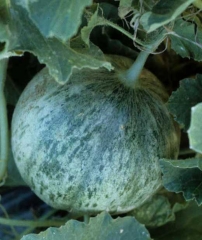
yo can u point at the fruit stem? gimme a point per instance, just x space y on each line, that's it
4 142
131 76
86 218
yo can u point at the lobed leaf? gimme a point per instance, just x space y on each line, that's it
102 227
185 41
195 130
60 19
183 176
149 42
182 100
59 57
162 13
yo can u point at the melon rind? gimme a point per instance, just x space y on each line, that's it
92 144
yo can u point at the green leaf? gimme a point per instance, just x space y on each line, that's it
185 41
97 16
125 6
133 7
56 18
187 226
102 227
93 20
156 211
195 130
162 13
182 100
59 57
148 41
183 176
125 3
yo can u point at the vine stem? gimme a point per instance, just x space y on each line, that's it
131 76
31 223
44 217
117 27
7 216
4 139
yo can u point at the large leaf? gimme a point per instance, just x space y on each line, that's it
56 18
102 227
163 12
185 41
59 57
156 211
195 130
181 101
187 226
183 176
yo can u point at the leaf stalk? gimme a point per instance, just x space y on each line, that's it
4 138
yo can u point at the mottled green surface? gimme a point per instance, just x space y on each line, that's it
92 144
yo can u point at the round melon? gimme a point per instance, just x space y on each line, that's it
93 144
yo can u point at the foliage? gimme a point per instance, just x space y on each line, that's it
66 35
100 227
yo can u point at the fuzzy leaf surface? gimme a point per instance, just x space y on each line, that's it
162 13
56 18
182 100
102 227
60 58
185 41
195 130
183 176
